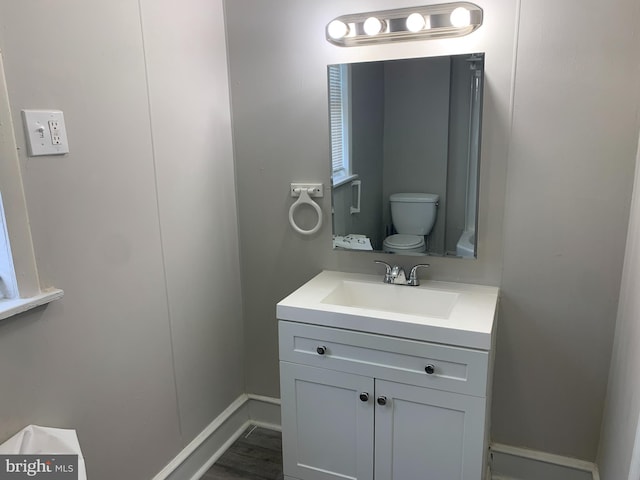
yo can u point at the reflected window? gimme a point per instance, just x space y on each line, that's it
339 122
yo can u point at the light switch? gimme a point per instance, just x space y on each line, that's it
45 132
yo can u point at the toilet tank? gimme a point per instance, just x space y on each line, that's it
413 213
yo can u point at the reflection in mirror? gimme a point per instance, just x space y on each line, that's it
405 146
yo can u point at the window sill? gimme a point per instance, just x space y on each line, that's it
10 307
345 180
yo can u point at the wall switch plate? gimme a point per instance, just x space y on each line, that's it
45 132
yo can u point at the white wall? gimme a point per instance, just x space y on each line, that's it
571 160
622 408
137 224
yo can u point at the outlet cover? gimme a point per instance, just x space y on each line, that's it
45 132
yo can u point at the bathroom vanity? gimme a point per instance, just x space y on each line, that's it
385 381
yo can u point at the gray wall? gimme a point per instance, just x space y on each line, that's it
140 231
569 181
367 124
573 145
622 410
416 134
137 224
281 136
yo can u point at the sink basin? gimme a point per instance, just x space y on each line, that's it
393 298
441 312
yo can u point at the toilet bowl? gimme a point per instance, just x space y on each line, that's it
402 243
413 216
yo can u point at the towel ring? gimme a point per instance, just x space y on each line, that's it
305 199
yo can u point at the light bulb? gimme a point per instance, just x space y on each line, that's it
461 17
372 26
337 29
415 22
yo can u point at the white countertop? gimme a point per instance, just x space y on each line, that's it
469 323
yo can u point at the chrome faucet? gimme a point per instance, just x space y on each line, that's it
395 275
398 276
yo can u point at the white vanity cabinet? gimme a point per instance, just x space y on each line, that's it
366 406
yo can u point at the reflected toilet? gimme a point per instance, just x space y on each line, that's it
413 216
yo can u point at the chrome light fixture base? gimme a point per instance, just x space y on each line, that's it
416 23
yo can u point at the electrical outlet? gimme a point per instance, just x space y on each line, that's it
45 132
54 129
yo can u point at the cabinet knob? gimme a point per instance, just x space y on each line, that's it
430 369
382 400
321 350
364 396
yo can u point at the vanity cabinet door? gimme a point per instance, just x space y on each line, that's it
327 423
426 434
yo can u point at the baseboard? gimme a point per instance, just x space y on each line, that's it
204 450
211 442
514 463
265 412
507 462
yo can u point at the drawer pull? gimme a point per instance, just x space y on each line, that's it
382 401
364 396
430 369
321 350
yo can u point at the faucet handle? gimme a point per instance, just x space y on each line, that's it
387 275
414 281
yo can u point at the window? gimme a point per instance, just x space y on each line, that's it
7 275
339 123
20 288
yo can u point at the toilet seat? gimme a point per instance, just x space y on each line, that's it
404 243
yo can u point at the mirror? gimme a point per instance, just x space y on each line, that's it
405 143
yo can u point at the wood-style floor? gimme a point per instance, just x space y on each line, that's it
256 455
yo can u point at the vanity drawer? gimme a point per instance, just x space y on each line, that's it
442 367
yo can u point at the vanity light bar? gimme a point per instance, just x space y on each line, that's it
416 23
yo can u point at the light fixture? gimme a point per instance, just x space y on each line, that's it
372 26
460 17
416 23
337 29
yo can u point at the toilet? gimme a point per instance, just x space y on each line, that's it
413 216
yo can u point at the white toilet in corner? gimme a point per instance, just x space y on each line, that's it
413 216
